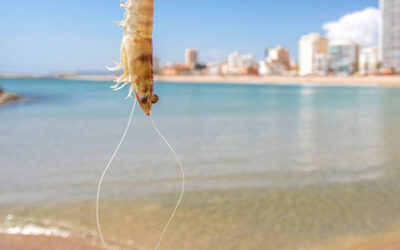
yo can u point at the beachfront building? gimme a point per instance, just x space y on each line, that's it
191 58
343 57
369 61
277 62
262 68
267 69
390 34
215 68
313 54
224 68
278 55
241 64
156 65
175 69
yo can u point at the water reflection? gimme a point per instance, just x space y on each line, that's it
306 144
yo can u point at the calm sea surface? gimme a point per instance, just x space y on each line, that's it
267 167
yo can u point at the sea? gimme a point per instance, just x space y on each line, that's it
267 166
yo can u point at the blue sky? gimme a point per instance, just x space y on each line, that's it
43 36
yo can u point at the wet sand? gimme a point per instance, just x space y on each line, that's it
28 242
395 246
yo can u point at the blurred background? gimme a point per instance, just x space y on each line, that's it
285 116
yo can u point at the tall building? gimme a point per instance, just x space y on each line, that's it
369 60
343 57
191 57
313 54
390 34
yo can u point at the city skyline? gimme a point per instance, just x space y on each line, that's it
79 37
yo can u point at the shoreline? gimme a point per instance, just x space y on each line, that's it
378 81
387 81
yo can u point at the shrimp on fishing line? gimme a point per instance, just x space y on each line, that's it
137 64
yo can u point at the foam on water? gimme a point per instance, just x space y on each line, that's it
28 226
32 229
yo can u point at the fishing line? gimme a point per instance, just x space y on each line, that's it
183 183
105 171
109 164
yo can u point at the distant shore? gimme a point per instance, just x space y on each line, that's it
326 80
390 81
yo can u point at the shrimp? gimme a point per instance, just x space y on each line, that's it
137 52
137 63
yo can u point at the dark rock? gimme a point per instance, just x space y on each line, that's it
6 97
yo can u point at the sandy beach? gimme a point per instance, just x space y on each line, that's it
28 242
328 80
389 81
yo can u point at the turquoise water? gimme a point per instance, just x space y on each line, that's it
273 141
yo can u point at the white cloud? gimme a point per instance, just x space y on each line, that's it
361 27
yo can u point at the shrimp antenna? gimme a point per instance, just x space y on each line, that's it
105 171
183 183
